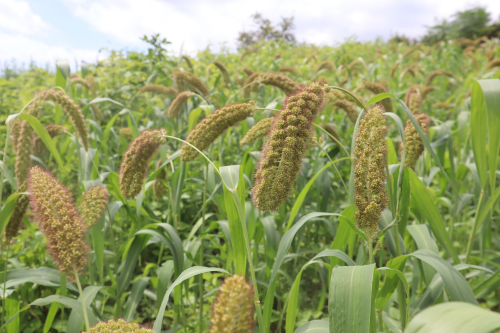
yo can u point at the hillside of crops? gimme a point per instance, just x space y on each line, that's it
281 188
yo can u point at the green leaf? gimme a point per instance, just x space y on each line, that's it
98 244
431 213
193 118
74 321
44 135
485 123
187 274
7 211
351 305
135 297
69 302
11 308
232 182
300 199
285 243
127 269
315 326
454 317
293 300
455 283
391 281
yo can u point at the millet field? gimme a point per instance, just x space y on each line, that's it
280 188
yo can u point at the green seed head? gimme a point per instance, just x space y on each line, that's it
414 144
258 131
377 88
23 158
283 82
159 89
192 80
80 81
213 126
95 200
348 108
177 104
223 70
16 218
127 132
289 69
73 111
37 145
282 156
118 326
370 153
413 99
59 220
159 188
136 160
233 310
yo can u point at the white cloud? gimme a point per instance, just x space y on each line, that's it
195 23
17 17
25 49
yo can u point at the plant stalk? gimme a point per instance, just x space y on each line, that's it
474 228
82 299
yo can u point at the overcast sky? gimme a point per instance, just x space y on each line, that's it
46 30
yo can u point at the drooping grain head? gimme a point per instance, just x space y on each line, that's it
177 104
188 61
326 64
136 160
23 157
159 89
348 108
233 312
192 80
258 131
15 133
283 82
331 130
426 91
80 81
248 71
281 158
37 145
223 70
59 221
73 111
159 188
377 88
127 132
413 99
250 84
414 144
16 218
493 63
95 200
92 84
210 128
370 176
436 73
118 326
289 69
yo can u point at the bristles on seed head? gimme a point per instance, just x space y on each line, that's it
370 153
210 128
136 160
95 200
59 221
233 312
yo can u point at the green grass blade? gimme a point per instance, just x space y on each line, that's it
454 317
187 274
350 302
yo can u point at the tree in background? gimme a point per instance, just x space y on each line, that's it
267 32
472 23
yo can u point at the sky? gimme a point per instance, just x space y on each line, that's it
81 30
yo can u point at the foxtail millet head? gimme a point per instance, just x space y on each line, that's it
58 220
95 200
281 158
233 311
136 160
370 176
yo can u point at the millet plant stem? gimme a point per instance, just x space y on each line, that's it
250 262
82 299
474 228
4 296
337 141
200 277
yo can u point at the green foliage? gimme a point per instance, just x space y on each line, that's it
158 258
